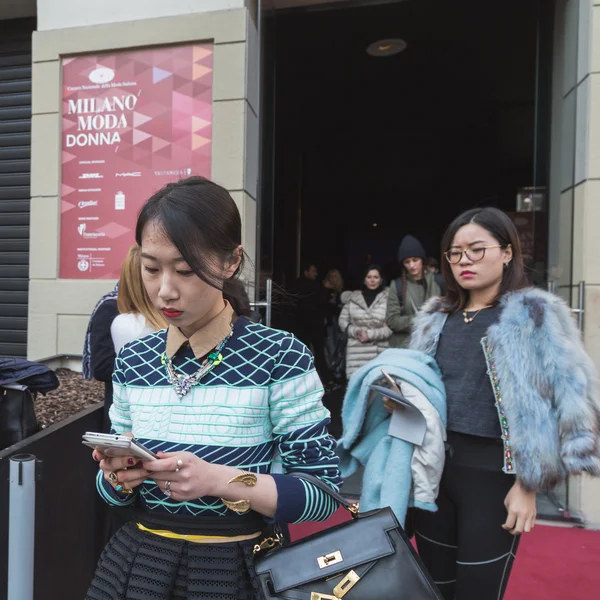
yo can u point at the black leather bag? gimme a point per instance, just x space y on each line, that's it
367 558
17 416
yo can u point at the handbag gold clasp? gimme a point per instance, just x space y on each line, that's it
268 543
330 559
340 590
354 508
346 584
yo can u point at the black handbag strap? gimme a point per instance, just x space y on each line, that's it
351 506
277 538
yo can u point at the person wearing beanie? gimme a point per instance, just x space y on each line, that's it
411 247
410 291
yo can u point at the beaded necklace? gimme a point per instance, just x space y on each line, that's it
182 384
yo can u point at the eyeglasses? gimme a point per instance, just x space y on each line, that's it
473 254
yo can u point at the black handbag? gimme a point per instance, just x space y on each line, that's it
367 558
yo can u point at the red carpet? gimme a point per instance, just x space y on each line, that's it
553 563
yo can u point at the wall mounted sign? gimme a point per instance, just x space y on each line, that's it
131 122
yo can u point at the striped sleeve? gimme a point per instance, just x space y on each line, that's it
119 414
120 423
303 442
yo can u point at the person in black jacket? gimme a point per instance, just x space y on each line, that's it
99 351
311 307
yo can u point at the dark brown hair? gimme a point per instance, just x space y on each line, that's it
372 267
503 230
203 222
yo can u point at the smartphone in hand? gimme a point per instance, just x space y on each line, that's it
393 383
112 444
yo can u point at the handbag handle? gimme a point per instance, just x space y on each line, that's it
350 506
277 539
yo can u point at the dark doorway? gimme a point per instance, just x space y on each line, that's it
361 150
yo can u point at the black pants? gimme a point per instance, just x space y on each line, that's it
463 545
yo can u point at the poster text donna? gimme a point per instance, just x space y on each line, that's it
99 120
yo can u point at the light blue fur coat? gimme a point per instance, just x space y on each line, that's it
547 381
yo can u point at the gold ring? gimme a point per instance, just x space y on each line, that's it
168 489
113 477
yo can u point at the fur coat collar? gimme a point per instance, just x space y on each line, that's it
546 385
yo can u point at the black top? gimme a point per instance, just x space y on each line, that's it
469 394
370 295
102 351
311 306
334 306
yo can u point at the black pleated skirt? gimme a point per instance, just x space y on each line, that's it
138 565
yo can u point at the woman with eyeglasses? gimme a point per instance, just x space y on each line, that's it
523 413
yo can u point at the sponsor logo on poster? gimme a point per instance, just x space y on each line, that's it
91 176
119 201
81 228
86 203
101 75
187 171
130 174
83 265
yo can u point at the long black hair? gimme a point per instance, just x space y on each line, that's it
503 230
203 223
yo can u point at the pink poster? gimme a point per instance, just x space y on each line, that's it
132 122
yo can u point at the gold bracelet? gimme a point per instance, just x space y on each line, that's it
240 506
248 479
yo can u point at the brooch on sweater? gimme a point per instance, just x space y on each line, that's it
182 384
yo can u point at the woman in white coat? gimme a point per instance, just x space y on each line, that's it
363 318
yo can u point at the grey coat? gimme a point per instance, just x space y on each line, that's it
545 385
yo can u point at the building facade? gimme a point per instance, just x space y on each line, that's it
58 307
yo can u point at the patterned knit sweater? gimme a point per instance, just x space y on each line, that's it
259 410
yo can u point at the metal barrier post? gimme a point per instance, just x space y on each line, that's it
581 310
21 528
267 303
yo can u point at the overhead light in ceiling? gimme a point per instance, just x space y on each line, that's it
387 47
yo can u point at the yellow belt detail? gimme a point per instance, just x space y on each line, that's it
200 539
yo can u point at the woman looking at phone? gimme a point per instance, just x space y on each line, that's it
217 397
522 407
